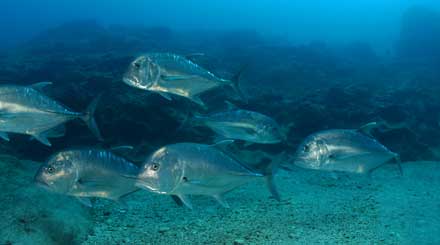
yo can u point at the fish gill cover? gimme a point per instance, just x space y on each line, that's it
306 87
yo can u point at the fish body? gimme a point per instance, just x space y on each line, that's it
167 73
244 125
85 173
25 110
343 150
193 169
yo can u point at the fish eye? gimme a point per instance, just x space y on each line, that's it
50 169
155 166
137 65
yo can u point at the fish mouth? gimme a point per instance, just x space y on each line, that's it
300 163
133 82
143 185
42 184
128 81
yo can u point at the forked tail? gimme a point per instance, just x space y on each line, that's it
89 119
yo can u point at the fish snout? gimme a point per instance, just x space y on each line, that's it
128 79
149 186
40 181
301 161
141 184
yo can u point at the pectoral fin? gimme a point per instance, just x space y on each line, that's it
221 200
85 201
42 139
165 95
91 183
346 155
4 136
176 78
222 143
185 199
177 200
197 100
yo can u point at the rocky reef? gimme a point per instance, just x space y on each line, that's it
305 88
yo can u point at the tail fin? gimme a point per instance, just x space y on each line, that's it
284 161
399 164
89 119
268 168
272 187
236 83
190 120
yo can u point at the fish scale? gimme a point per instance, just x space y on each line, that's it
87 173
244 125
344 150
24 110
196 169
170 74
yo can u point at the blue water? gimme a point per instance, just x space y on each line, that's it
310 66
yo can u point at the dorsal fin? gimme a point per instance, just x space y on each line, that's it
222 143
122 147
39 86
194 55
85 201
368 128
230 105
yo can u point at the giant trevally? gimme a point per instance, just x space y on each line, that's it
239 124
344 150
167 73
85 173
184 169
25 110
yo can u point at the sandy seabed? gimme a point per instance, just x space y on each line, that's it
315 209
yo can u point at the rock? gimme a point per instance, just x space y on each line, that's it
238 241
164 229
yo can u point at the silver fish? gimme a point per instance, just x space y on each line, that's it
196 169
85 173
344 150
167 73
238 124
24 110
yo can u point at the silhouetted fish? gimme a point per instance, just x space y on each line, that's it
87 173
167 73
240 124
24 110
196 169
345 150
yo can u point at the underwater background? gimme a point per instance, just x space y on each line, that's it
309 65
